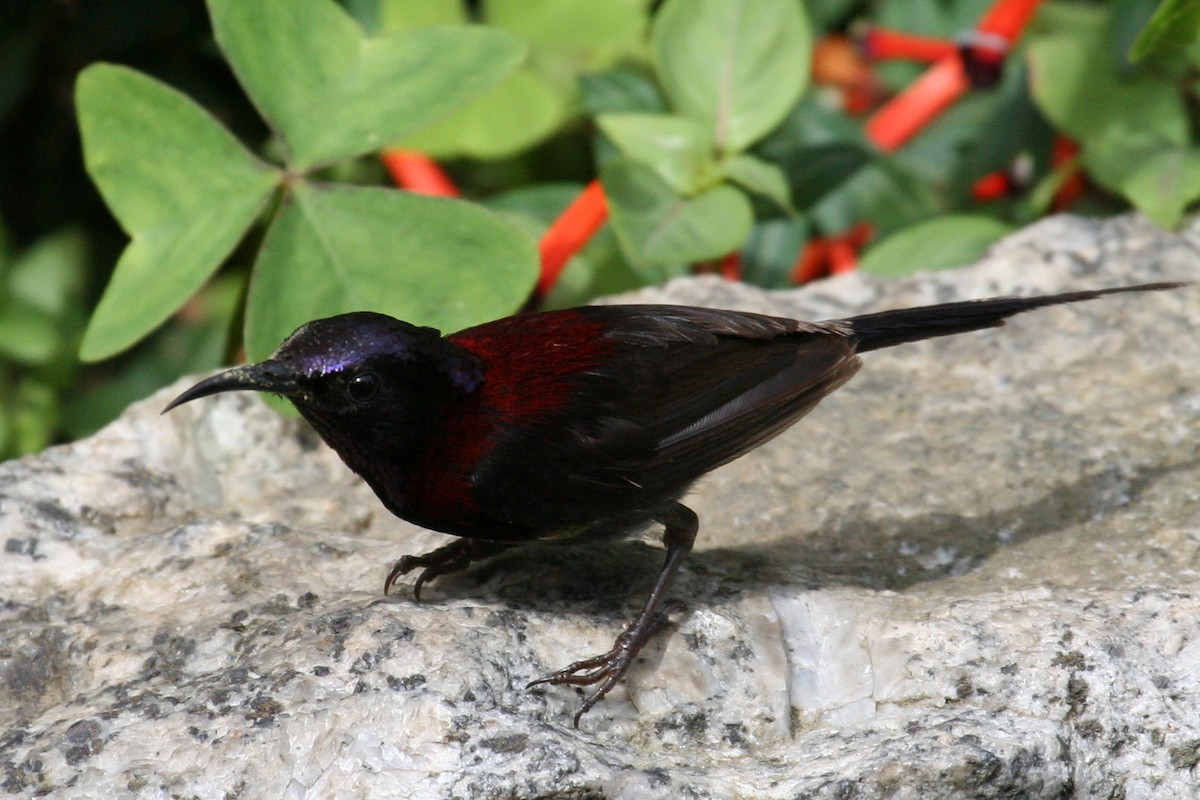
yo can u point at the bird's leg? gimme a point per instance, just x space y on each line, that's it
453 557
606 669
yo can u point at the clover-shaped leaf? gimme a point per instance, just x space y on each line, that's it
182 187
330 93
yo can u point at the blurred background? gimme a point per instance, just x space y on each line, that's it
867 183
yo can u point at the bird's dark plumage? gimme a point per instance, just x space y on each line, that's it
579 423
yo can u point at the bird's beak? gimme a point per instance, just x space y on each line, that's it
268 376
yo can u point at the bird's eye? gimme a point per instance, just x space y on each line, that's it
363 387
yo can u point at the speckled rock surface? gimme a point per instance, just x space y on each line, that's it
972 572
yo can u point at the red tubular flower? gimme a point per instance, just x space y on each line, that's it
1066 155
1007 18
418 173
983 51
811 263
992 186
883 44
731 266
844 250
825 255
843 257
911 110
567 235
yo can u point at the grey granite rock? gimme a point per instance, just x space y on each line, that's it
972 572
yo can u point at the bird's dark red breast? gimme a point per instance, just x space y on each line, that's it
531 368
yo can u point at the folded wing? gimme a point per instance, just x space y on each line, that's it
677 392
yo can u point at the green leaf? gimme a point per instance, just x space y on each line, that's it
760 177
1040 198
42 308
656 226
1054 18
677 148
504 120
890 197
735 66
819 169
49 276
593 31
395 16
1077 85
538 204
35 411
826 14
6 448
1175 24
426 260
932 17
181 186
620 91
26 334
329 93
1134 130
565 38
818 148
941 243
772 249
1159 177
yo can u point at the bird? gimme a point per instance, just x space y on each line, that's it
574 425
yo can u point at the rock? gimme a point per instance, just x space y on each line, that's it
973 571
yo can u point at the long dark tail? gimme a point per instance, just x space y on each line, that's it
886 328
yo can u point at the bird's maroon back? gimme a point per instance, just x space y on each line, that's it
605 413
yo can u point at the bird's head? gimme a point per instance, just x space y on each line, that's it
362 374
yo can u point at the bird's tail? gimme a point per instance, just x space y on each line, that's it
887 328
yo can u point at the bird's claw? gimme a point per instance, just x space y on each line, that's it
450 558
405 565
453 557
605 669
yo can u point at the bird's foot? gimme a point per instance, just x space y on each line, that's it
453 557
608 668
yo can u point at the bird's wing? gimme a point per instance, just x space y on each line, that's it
659 395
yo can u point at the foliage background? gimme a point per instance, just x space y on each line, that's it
566 122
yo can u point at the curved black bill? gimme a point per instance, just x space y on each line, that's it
269 376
